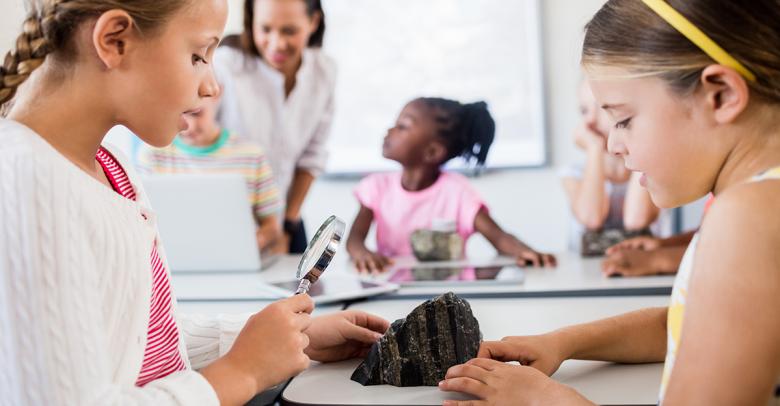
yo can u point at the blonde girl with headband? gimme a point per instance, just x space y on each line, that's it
86 310
693 90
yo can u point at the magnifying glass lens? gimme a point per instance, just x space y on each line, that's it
321 250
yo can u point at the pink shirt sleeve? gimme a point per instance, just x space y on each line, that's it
470 205
367 192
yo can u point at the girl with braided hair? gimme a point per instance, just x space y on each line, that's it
428 133
86 309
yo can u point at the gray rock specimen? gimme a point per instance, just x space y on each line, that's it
429 245
596 242
418 350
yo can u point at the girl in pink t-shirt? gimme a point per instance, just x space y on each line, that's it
428 133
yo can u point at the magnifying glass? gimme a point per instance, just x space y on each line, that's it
320 251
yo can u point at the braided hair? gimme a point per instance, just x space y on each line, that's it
466 129
31 49
49 28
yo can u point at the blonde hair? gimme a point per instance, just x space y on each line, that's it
49 27
627 34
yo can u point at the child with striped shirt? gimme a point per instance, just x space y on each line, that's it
205 147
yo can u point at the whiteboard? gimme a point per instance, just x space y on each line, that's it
390 52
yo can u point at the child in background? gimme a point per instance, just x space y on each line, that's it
607 203
205 147
428 133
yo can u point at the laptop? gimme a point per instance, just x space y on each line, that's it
205 222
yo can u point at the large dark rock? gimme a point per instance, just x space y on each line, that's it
418 350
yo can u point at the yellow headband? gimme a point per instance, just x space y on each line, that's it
695 35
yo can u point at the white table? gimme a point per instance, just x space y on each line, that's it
574 276
233 286
213 293
603 383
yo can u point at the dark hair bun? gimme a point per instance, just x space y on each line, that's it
480 128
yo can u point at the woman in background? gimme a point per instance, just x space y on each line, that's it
278 92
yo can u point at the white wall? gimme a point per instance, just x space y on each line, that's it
527 202
562 25
11 17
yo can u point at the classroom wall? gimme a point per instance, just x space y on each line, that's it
11 16
528 202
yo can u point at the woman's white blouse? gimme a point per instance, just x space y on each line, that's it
293 130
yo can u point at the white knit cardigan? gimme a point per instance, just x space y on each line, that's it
75 288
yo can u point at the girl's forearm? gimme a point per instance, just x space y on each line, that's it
356 241
638 209
355 245
678 240
591 198
508 244
268 232
299 188
635 337
232 386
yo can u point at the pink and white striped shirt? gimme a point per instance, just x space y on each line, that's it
161 356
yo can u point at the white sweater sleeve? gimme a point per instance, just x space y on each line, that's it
209 338
54 337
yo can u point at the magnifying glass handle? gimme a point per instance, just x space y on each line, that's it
303 287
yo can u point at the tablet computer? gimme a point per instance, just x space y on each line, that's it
335 288
457 275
